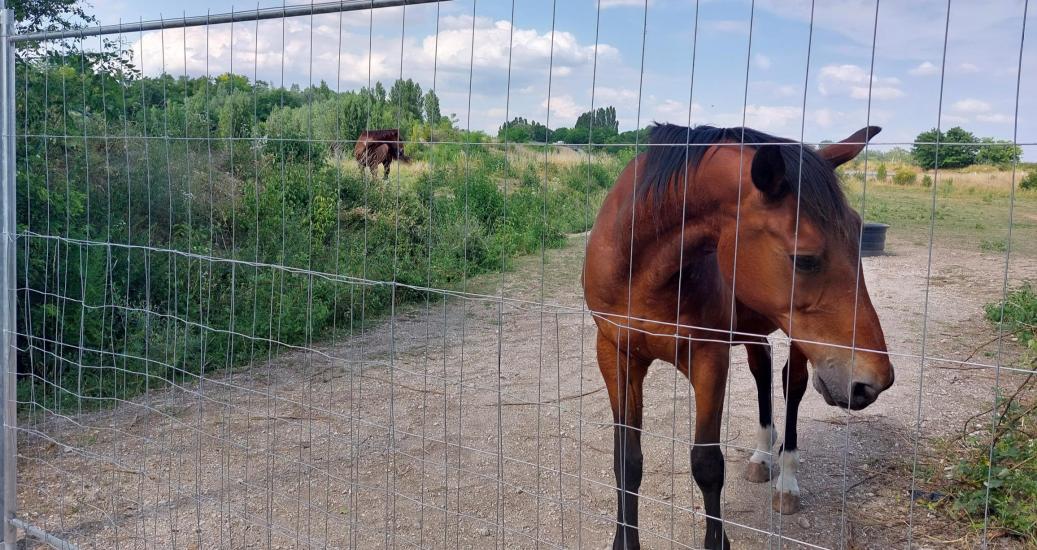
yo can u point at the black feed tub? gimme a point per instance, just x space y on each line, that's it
873 240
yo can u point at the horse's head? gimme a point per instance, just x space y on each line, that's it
798 264
401 155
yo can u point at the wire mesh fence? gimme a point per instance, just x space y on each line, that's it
231 328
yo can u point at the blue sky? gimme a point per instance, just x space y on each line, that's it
979 75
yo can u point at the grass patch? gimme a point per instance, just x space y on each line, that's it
994 479
967 217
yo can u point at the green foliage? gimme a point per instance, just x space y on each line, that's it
927 181
1020 313
592 127
997 474
1004 488
880 173
998 153
1030 181
430 105
993 245
896 155
520 130
954 148
904 176
155 260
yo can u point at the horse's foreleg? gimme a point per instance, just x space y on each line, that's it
761 463
709 378
624 376
386 174
794 381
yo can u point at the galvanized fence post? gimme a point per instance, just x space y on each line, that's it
8 298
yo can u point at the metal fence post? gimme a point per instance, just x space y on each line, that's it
8 298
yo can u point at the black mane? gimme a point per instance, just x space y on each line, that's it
821 197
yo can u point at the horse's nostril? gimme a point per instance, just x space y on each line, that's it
862 395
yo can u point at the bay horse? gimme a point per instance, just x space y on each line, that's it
374 147
700 206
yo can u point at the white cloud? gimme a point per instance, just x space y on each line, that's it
853 81
970 105
564 107
964 110
771 118
530 49
761 61
823 117
925 68
496 112
671 110
605 94
968 68
997 118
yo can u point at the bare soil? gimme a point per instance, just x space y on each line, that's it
468 424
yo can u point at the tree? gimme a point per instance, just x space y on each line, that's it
954 149
431 108
405 100
520 130
49 15
998 152
599 124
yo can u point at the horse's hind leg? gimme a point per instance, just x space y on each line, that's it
761 464
624 376
794 381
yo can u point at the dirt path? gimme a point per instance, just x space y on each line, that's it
413 433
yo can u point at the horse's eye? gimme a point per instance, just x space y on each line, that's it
806 264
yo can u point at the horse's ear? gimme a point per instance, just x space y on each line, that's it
844 151
768 171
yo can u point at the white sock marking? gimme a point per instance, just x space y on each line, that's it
765 438
786 482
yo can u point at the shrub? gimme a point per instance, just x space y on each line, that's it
927 181
996 476
880 173
904 176
1020 313
1030 181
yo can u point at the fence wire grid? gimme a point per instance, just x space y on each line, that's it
222 333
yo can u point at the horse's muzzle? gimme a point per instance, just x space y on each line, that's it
832 385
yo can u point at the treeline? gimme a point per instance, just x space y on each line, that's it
173 226
598 126
960 148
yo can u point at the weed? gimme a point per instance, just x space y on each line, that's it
995 479
993 245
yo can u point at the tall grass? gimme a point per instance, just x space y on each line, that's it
182 227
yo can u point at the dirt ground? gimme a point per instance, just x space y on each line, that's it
470 425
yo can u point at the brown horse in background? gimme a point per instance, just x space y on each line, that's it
710 219
374 147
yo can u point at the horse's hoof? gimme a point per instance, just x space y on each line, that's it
785 503
758 472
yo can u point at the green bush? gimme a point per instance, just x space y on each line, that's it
880 173
904 176
1029 182
996 475
1020 313
927 181
160 260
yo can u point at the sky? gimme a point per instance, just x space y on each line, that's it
772 64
